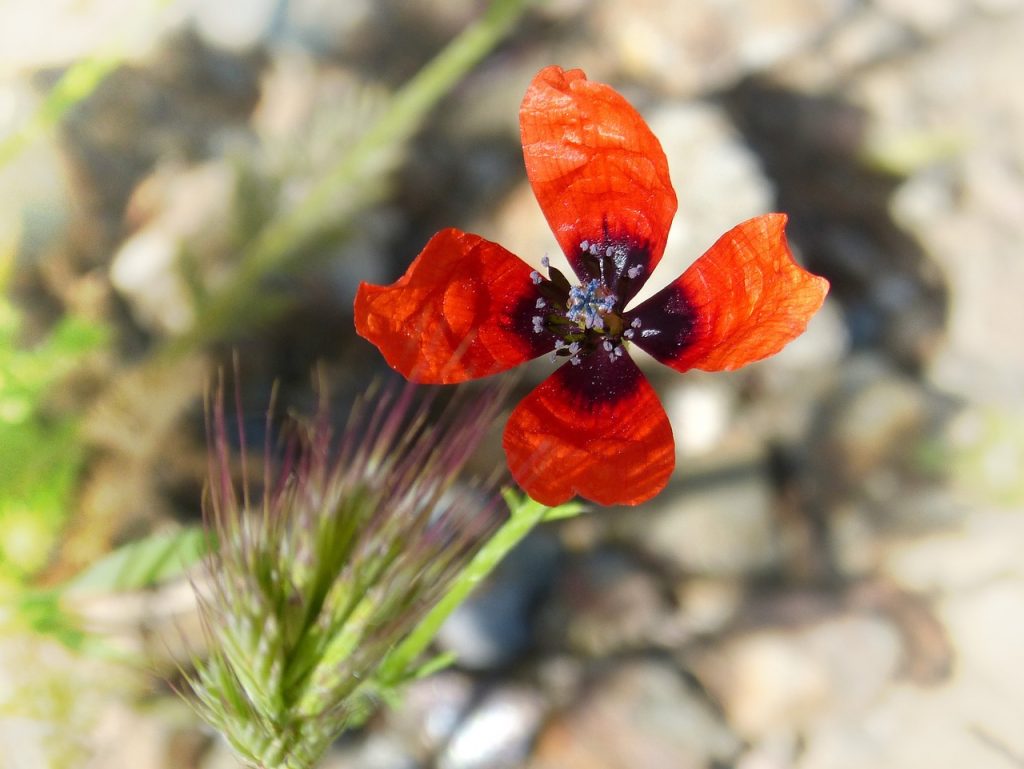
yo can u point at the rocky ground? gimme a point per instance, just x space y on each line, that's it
832 580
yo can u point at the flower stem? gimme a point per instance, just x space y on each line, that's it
524 514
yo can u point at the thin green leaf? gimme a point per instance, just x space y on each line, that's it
144 563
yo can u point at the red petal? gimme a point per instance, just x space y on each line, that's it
598 172
597 430
462 310
744 300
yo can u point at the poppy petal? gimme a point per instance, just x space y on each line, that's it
744 300
462 310
598 172
595 429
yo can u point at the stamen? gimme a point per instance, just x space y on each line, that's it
628 333
538 324
590 302
607 345
635 323
585 245
541 304
535 277
545 262
649 332
634 271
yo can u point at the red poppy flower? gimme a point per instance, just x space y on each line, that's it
467 308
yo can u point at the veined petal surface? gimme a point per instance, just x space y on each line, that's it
597 171
462 310
743 300
597 430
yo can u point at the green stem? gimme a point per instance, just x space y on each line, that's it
524 516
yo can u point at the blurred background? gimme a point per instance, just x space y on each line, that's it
833 579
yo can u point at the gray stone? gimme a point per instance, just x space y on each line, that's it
772 679
929 17
723 530
983 547
498 733
175 207
641 714
431 710
236 25
698 47
606 602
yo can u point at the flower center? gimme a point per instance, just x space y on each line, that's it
583 318
587 305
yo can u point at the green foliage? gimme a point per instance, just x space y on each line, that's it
145 563
326 570
40 455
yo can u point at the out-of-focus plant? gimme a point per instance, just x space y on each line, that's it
329 582
274 230
356 177
75 84
40 454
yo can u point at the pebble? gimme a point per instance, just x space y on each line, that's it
322 25
637 714
772 680
432 709
375 751
725 529
605 602
874 421
927 17
235 25
498 733
74 31
700 47
703 407
176 207
982 548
